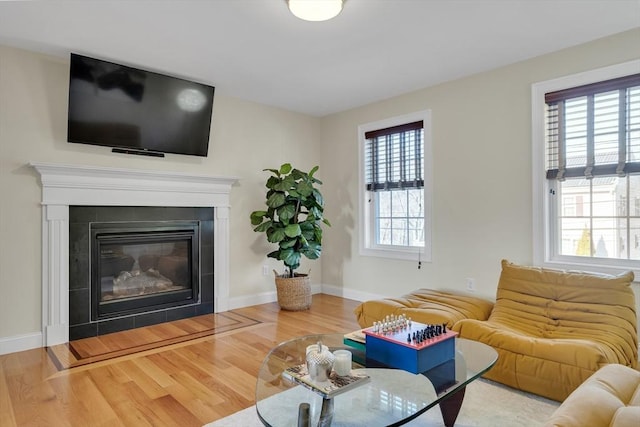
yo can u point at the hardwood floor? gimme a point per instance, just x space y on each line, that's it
186 384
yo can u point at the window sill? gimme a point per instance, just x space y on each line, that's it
408 254
570 263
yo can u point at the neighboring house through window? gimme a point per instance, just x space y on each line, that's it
396 187
586 142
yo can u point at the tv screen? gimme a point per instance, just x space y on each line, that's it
137 111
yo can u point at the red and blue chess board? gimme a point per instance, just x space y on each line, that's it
411 346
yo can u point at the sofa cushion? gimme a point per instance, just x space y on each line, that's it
553 329
568 305
626 417
425 306
603 399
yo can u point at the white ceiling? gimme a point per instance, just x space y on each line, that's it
256 50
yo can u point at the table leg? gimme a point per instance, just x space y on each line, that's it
450 407
326 413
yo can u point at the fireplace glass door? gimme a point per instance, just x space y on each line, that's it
138 267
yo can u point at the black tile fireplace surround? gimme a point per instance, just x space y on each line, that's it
81 324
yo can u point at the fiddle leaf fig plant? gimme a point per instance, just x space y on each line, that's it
295 210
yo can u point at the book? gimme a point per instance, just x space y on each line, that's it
334 386
357 336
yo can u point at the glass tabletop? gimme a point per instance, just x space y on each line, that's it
389 397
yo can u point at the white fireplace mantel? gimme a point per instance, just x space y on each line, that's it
69 185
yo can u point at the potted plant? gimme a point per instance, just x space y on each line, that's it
295 211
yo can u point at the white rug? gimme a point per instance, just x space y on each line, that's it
486 404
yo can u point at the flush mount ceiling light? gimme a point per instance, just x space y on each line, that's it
315 10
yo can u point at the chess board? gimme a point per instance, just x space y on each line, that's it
409 347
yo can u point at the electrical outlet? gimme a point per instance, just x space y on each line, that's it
471 284
265 270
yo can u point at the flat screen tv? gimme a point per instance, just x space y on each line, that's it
137 111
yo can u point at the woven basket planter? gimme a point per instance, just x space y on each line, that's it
294 293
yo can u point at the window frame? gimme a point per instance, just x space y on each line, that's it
544 217
367 228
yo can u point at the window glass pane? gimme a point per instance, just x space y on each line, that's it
575 237
400 217
605 127
633 124
633 150
634 195
384 231
399 232
605 237
576 131
575 197
614 227
384 203
608 196
416 198
416 232
399 203
634 239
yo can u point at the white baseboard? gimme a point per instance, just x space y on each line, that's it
268 297
349 293
20 343
263 298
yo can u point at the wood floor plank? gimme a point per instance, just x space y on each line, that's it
182 384
7 417
103 347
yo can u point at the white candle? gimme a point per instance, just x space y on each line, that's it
342 362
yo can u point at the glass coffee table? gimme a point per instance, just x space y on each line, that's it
390 397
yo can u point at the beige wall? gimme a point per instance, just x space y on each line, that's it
482 175
482 196
246 138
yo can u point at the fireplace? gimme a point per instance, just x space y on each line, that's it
142 267
67 187
133 266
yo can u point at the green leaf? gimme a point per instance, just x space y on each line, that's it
326 221
309 234
285 168
274 254
304 188
272 182
297 174
275 235
285 244
257 216
318 196
285 184
274 171
312 251
290 258
312 171
286 212
292 230
263 227
276 200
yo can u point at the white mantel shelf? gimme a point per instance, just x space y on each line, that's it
70 185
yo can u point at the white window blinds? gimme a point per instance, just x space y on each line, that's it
394 157
594 130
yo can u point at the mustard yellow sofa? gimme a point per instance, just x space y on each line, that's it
553 329
425 306
610 397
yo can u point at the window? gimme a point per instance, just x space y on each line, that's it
395 187
587 169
